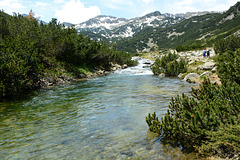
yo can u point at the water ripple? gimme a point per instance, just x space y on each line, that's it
100 118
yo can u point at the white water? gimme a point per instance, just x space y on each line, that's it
143 68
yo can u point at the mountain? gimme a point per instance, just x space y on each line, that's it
112 28
158 31
205 29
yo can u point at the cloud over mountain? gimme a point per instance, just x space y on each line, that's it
74 12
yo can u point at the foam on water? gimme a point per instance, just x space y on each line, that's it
143 67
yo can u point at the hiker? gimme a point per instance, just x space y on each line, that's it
204 52
208 53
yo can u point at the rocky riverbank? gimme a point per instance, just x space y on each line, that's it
47 81
200 67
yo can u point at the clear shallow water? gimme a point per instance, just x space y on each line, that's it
99 118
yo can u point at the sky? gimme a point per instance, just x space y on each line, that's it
77 11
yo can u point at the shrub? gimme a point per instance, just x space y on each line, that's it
231 43
228 65
191 119
223 143
194 46
29 50
170 65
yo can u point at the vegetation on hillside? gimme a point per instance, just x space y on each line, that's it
169 65
231 43
194 46
209 119
201 30
30 51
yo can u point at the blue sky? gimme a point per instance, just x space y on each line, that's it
76 11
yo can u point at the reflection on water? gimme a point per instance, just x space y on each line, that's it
100 118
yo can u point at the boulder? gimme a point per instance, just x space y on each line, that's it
100 72
124 66
214 70
206 74
81 76
180 75
117 66
200 67
191 77
113 68
162 75
192 62
209 65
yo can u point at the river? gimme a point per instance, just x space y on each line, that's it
98 118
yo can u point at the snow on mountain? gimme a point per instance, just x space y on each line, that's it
114 28
107 22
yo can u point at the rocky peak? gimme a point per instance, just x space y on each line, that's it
156 13
116 28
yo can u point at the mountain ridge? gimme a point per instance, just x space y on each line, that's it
114 28
155 30
200 30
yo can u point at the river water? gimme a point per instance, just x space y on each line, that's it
98 118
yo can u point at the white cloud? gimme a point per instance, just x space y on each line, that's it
75 12
10 6
184 6
117 4
58 1
41 4
147 1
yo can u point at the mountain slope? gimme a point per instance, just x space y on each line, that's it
198 29
112 28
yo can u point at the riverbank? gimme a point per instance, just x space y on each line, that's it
208 120
99 118
66 77
199 67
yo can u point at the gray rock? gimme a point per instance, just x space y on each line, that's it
162 75
206 73
113 68
200 67
100 72
124 66
191 62
214 70
81 76
209 65
180 75
191 77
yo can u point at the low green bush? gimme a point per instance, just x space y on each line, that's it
228 66
191 119
29 51
170 65
186 47
224 143
231 43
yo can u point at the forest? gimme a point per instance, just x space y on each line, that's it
31 50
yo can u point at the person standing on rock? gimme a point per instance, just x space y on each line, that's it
208 53
204 52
